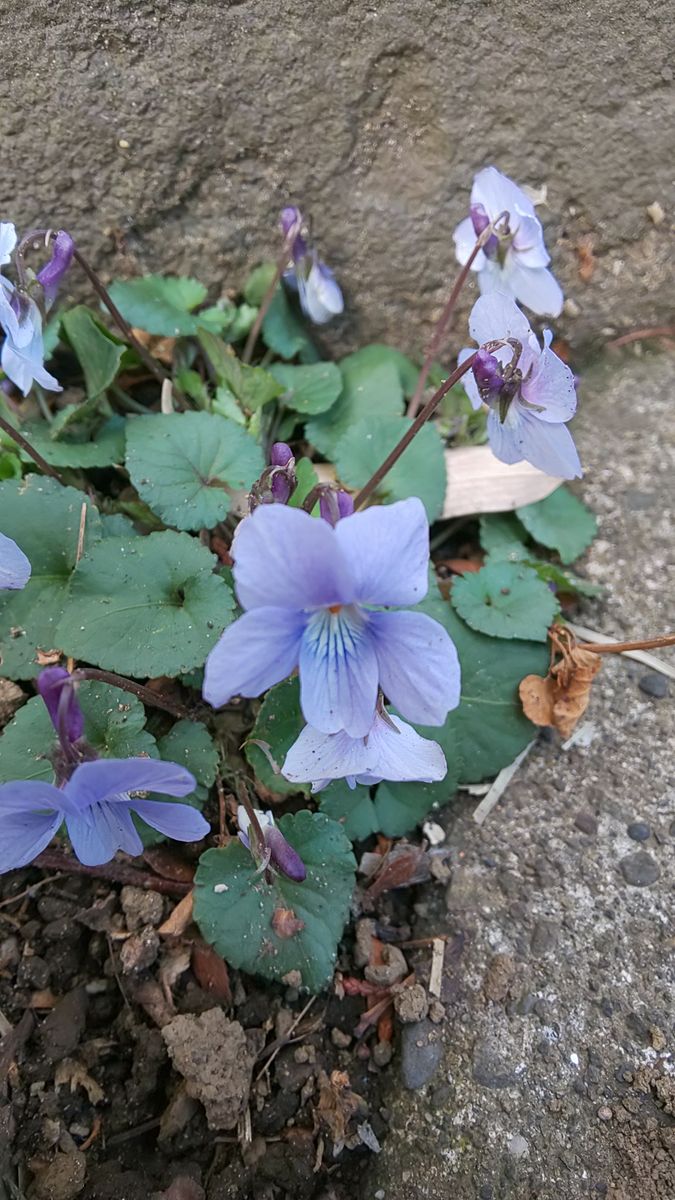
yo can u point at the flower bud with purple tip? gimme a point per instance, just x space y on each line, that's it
57 688
278 481
335 504
52 274
488 375
276 851
480 221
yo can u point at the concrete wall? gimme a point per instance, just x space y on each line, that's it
167 134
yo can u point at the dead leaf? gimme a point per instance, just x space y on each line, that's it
165 862
160 347
336 1106
211 972
175 962
561 698
72 1074
402 866
285 923
587 259
178 919
178 1113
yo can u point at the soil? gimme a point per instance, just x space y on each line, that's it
542 1070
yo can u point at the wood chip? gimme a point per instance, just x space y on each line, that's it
496 791
437 960
179 919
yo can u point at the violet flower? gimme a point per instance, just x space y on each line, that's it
93 797
51 276
314 595
15 568
318 290
529 392
391 750
514 262
22 355
276 851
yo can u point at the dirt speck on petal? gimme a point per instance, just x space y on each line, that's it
213 1056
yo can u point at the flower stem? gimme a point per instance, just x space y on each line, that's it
444 319
101 291
422 417
267 299
666 639
251 813
146 694
26 446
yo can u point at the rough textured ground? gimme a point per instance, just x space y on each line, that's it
167 134
557 1080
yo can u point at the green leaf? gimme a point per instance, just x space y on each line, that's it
307 479
394 810
98 353
190 744
114 724
505 600
145 606
309 390
278 724
372 357
44 519
503 537
258 283
561 522
284 332
160 304
420 471
186 466
10 465
368 390
235 906
78 448
564 579
251 386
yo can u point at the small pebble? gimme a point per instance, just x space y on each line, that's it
392 969
639 831
639 869
586 822
518 1146
605 1113
411 1004
436 1012
382 1053
340 1039
421 1053
654 685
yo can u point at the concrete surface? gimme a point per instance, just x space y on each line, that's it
558 1078
167 134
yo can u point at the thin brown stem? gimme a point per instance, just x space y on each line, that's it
101 291
58 860
251 813
421 419
639 335
28 449
267 299
146 694
666 639
444 319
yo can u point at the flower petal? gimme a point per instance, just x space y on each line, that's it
551 386
110 779
258 650
30 816
418 665
320 294
497 193
468 381
387 548
103 829
528 242
338 672
7 241
14 566
178 821
287 559
404 755
465 240
316 756
536 288
546 446
497 316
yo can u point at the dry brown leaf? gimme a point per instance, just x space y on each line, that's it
561 698
72 1074
337 1105
175 962
211 972
178 919
160 347
402 866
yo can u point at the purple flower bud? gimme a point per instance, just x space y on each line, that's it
281 487
334 504
280 454
52 273
291 222
488 375
480 221
57 689
284 857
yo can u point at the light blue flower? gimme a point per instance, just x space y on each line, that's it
14 566
96 805
315 598
391 750
22 355
529 392
515 262
318 290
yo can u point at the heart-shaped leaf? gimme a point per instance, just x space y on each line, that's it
309 389
80 448
186 466
561 522
160 304
420 471
145 606
368 389
277 927
506 600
